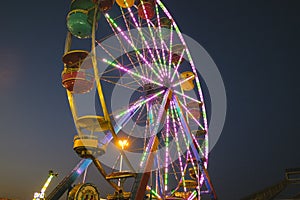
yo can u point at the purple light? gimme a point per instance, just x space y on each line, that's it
177 66
139 104
177 143
190 114
188 97
142 35
132 45
130 72
183 81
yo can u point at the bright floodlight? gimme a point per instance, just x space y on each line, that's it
123 143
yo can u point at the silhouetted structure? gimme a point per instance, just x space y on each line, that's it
287 189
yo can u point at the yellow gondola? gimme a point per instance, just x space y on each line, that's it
188 80
125 3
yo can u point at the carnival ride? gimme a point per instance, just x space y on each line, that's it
41 195
141 52
287 188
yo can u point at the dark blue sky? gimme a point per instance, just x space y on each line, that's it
254 43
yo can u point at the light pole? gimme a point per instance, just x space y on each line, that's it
123 144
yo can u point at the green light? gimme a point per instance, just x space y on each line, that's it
161 38
130 72
177 145
139 104
154 193
133 46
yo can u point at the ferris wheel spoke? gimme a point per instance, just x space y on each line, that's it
130 72
202 148
178 122
188 143
112 70
141 33
140 115
154 125
161 39
181 88
171 133
167 150
138 81
127 86
119 62
137 104
177 65
187 131
170 53
159 174
189 57
178 147
191 115
127 24
183 81
150 26
186 96
133 46
116 162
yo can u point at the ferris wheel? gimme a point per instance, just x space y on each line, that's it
136 99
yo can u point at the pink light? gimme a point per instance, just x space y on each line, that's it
177 142
170 53
140 32
139 104
161 40
181 127
188 97
193 195
132 45
177 66
167 150
194 70
130 72
190 114
118 61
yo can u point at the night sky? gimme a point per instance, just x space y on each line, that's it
255 45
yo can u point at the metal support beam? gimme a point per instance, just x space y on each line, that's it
188 133
292 176
67 182
268 193
142 179
98 165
